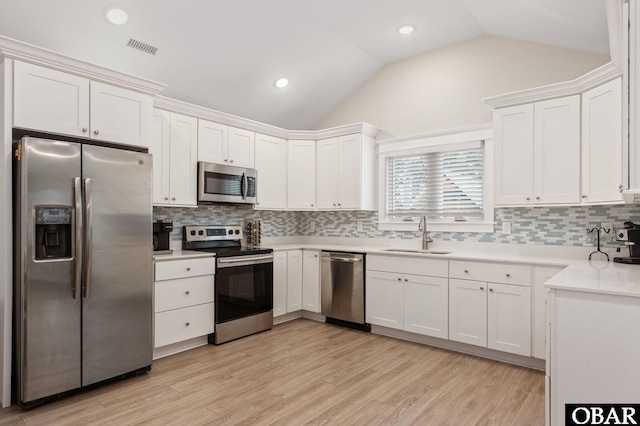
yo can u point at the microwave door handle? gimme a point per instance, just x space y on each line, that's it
245 186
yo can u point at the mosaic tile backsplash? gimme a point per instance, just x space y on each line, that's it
565 226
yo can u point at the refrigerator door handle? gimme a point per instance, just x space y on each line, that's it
78 240
88 241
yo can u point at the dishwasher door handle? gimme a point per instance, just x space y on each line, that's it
345 259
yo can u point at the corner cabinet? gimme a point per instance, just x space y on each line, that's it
53 101
346 173
294 280
279 283
174 149
311 281
301 182
226 145
271 165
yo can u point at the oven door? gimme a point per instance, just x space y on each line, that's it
244 286
227 184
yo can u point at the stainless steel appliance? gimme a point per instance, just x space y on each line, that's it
162 236
243 281
343 288
226 184
630 236
83 266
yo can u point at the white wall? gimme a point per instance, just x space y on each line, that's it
443 89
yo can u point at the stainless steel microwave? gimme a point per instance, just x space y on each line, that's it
226 184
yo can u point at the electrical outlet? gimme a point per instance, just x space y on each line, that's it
312 225
506 228
359 226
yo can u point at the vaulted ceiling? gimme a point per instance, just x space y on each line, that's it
226 54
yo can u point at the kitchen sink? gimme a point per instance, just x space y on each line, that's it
418 251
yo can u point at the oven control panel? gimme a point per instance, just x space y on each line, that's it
212 233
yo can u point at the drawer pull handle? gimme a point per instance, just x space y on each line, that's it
188 268
187 324
508 275
186 292
481 288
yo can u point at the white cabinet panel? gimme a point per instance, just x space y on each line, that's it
538 326
50 100
159 147
311 281
468 312
241 148
271 164
327 173
302 175
183 324
384 299
408 265
279 283
349 171
183 292
509 319
172 269
493 272
213 142
602 143
426 305
294 280
183 163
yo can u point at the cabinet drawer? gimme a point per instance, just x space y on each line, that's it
171 269
491 272
183 324
408 265
183 292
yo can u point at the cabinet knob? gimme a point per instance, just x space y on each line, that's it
231 161
339 204
399 279
334 204
315 255
84 130
186 292
166 198
481 288
311 205
95 132
537 198
226 160
188 268
466 271
173 198
187 324
490 289
508 275
528 198
405 280
584 196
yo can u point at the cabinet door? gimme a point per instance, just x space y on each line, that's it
538 327
556 158
302 175
513 128
241 148
183 159
426 301
279 283
602 143
294 280
311 281
384 299
271 164
349 171
213 142
468 312
50 100
120 115
509 318
159 144
327 173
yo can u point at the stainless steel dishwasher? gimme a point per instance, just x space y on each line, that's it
342 289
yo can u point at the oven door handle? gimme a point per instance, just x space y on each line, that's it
246 260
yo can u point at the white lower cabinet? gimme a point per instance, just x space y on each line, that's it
183 300
384 300
509 318
468 312
311 281
279 283
294 280
539 302
426 305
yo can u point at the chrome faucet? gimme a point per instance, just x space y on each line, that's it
426 239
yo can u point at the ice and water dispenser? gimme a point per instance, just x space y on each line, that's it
53 234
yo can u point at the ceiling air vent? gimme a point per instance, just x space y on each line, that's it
142 46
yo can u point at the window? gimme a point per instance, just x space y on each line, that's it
444 186
447 177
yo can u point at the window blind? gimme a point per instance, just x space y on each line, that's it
444 186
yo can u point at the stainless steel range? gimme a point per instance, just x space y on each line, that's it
243 281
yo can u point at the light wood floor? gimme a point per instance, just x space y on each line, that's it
305 372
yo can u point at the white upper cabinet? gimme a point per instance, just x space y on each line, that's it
221 144
174 149
302 175
57 102
538 153
602 143
271 164
346 173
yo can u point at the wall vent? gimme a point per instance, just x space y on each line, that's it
142 46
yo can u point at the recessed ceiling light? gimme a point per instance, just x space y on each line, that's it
406 29
281 83
117 16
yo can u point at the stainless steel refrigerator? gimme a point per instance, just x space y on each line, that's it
83 266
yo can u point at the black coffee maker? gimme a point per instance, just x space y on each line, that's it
161 231
630 236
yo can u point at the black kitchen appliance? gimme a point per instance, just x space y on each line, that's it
243 281
630 235
161 232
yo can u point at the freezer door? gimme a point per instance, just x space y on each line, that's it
117 293
47 317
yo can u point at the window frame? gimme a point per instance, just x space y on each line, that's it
444 141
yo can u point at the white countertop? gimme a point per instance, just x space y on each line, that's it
181 254
598 276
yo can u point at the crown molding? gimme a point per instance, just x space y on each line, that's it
20 51
581 84
203 113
